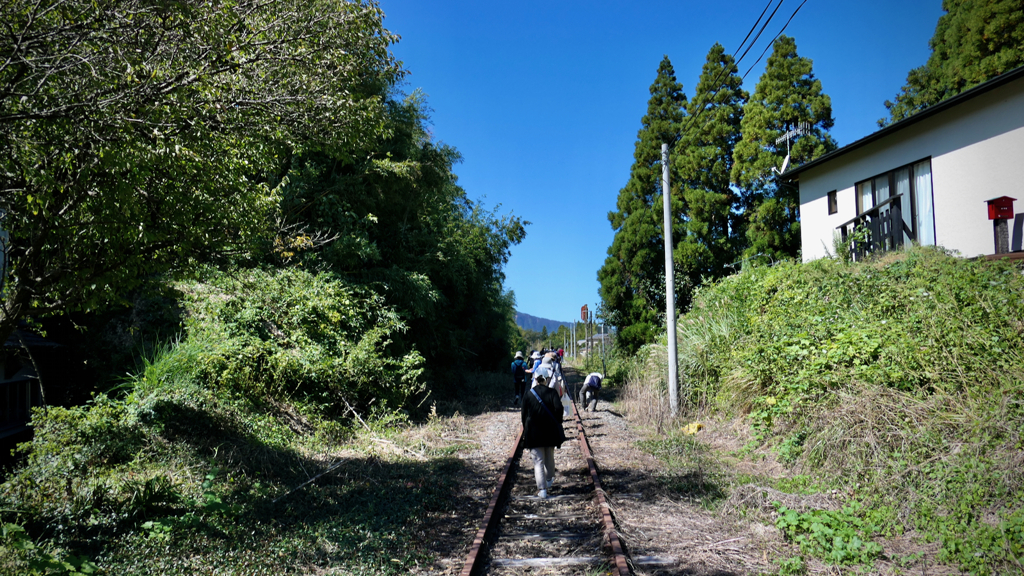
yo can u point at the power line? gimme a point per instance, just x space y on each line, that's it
736 62
689 120
774 39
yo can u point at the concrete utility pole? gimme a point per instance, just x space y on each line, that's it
670 293
590 337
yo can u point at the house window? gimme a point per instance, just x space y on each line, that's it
911 187
833 205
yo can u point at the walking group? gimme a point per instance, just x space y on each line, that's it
544 406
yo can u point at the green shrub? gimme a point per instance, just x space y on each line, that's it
293 334
899 379
22 555
839 537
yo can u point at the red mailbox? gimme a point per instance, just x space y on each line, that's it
1000 208
583 312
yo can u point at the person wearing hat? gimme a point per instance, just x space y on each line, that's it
554 379
519 371
588 393
535 359
542 429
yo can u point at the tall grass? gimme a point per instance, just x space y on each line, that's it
900 380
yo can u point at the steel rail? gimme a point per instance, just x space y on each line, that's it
476 558
477 552
606 514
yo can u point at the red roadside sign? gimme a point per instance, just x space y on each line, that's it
583 313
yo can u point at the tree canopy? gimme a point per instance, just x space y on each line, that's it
974 41
397 221
138 136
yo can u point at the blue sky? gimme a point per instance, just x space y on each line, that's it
544 100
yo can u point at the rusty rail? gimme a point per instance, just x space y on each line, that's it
606 514
477 552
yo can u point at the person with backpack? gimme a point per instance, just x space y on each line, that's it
542 429
588 393
518 377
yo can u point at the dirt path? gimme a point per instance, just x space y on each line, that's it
653 521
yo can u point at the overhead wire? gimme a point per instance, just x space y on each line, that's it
689 120
692 119
765 51
774 39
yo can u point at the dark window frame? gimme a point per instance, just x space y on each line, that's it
833 202
890 176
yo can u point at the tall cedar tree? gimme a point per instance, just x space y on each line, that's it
786 96
704 164
974 41
632 278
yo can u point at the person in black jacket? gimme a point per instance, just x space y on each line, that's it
542 429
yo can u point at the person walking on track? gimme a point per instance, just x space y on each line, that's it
542 429
518 377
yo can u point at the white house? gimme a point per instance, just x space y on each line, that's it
932 173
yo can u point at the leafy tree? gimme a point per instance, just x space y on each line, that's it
630 286
974 41
137 136
397 221
704 164
786 96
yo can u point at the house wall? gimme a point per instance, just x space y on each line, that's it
977 152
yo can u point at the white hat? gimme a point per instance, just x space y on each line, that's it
542 372
519 354
535 356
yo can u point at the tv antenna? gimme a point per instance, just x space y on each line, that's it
801 128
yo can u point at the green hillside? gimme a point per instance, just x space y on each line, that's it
899 382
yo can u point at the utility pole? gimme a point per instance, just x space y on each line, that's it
590 338
670 293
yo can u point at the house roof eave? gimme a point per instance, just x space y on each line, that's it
1004 78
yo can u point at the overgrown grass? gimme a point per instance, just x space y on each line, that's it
201 462
692 471
899 381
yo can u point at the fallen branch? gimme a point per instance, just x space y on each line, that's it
377 439
310 481
727 541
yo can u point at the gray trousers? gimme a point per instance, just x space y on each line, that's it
588 398
543 465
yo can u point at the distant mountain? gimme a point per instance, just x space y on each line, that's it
528 322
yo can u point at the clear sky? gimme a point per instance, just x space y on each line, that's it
544 100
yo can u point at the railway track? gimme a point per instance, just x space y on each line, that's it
570 532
